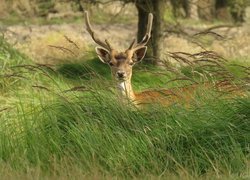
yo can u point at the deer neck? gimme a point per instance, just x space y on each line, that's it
126 90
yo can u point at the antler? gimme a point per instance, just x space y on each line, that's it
146 37
104 44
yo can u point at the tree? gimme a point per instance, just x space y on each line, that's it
222 10
237 9
193 9
206 9
211 9
157 7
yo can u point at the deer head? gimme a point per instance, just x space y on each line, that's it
121 63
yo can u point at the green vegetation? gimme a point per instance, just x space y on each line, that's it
68 123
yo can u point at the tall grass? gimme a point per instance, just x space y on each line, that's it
52 126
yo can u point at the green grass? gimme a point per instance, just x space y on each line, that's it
48 130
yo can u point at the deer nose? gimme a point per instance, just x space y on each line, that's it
120 74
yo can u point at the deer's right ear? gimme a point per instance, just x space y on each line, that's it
103 54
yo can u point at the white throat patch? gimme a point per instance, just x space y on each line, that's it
122 87
125 90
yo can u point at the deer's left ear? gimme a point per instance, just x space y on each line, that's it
139 54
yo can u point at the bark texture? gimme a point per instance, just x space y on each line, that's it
193 9
154 45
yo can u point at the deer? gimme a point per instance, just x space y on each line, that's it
121 65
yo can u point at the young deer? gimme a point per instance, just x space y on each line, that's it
121 64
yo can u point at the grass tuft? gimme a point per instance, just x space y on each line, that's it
68 122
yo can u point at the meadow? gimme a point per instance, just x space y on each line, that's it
66 122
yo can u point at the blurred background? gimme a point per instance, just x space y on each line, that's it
36 26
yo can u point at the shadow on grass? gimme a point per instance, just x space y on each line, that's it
84 70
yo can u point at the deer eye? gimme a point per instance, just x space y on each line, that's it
111 64
131 63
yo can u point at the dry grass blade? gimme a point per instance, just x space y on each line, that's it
240 66
246 69
208 61
14 75
40 87
183 53
172 70
4 109
63 49
222 72
71 41
26 66
78 88
210 32
182 79
218 71
47 66
209 54
155 73
214 34
36 67
211 67
223 82
180 59
220 26
198 44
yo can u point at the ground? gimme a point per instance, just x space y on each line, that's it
34 40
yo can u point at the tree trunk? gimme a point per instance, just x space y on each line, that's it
207 9
238 11
154 45
222 10
193 9
180 8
